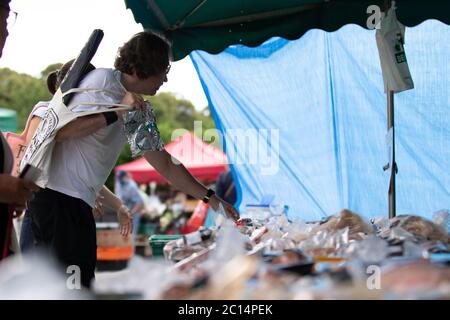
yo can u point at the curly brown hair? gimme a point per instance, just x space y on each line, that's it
145 54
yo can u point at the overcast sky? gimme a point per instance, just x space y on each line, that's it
51 31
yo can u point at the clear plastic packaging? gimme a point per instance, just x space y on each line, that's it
259 213
400 234
148 278
142 131
230 243
36 276
220 216
421 228
230 278
326 243
412 279
356 225
414 250
274 246
381 224
442 219
280 221
372 250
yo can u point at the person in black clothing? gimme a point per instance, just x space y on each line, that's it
13 191
225 187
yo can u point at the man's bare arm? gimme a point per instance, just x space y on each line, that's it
81 127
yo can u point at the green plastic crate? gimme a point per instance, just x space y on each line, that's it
147 228
158 241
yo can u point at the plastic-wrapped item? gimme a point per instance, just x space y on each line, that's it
172 245
274 246
181 253
257 212
142 132
332 242
244 222
277 209
401 234
420 228
372 250
229 280
436 247
414 250
316 243
341 239
230 243
442 219
271 244
280 221
411 279
299 230
195 259
188 244
381 224
289 243
325 243
184 252
177 250
357 227
149 278
245 226
220 216
273 232
256 235
201 235
246 230
35 276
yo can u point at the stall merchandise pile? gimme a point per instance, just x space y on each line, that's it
341 257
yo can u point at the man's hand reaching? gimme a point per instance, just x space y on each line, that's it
125 221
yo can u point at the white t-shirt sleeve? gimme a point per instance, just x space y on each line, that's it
40 109
104 79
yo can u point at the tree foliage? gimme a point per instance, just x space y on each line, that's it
20 92
50 68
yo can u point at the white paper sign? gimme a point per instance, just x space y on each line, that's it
390 40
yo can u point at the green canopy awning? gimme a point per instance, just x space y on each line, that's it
213 25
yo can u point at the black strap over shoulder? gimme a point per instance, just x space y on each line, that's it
79 66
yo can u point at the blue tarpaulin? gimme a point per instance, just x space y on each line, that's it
306 121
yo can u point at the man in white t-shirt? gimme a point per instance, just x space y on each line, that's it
61 213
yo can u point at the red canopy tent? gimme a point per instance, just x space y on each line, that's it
203 161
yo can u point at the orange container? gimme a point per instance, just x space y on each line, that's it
111 245
114 253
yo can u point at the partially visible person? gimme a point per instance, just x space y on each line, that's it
128 191
225 187
80 127
13 191
54 79
4 14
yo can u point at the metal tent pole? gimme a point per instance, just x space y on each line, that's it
390 118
